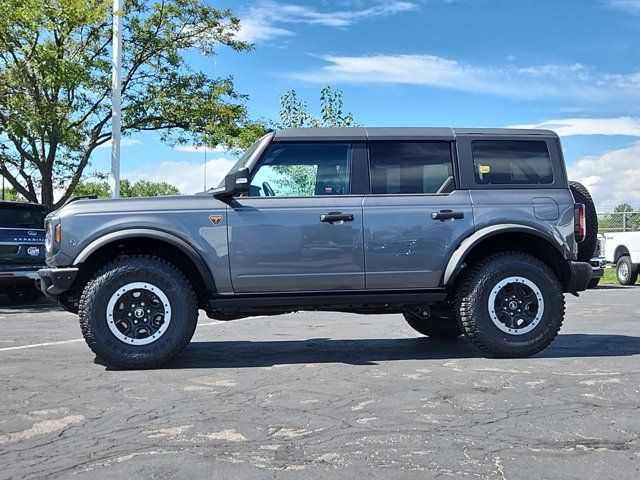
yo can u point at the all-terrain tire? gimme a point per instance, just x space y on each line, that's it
23 294
588 245
439 325
594 282
472 305
116 277
626 271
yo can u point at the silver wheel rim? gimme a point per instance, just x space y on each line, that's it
623 271
128 317
516 305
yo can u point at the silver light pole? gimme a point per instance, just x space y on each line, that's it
116 99
205 168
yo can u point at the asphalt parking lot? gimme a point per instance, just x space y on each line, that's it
324 395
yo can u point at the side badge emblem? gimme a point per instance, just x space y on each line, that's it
215 219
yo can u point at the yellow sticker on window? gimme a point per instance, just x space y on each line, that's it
485 168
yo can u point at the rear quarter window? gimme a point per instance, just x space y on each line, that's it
511 162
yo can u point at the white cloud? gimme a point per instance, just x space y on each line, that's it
565 82
612 178
124 142
188 177
264 21
199 149
626 5
567 127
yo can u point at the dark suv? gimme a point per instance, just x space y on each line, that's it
462 231
22 251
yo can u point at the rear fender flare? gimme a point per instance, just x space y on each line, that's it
456 261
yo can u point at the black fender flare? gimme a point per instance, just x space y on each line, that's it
161 235
468 244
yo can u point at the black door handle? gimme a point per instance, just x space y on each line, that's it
333 217
443 215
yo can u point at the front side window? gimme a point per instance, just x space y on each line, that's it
511 162
410 167
303 170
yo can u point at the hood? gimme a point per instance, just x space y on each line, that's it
140 204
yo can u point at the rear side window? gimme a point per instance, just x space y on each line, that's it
303 170
511 162
410 167
21 218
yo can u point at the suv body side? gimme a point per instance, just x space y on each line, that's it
394 241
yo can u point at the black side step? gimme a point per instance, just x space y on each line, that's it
333 299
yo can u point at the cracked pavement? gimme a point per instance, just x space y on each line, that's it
325 395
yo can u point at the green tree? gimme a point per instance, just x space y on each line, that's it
55 84
294 113
141 188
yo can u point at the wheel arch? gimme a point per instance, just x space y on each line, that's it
504 238
621 251
158 243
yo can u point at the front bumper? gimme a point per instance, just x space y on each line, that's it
597 264
580 276
54 281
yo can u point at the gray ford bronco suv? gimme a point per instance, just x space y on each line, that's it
463 231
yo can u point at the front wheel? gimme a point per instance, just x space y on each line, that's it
626 271
138 312
510 305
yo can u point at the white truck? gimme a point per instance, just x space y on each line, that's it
621 249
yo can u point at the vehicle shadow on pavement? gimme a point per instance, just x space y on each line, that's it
40 305
241 354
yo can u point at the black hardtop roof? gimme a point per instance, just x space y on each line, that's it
5 204
398 133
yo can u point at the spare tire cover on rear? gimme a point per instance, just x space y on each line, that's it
588 245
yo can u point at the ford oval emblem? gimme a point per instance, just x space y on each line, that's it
32 233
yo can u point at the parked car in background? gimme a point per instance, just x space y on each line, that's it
622 249
22 249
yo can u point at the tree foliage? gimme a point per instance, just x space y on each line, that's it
55 84
294 112
141 188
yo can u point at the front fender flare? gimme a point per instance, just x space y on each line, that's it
458 257
161 235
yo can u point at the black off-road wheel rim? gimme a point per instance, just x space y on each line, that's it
138 313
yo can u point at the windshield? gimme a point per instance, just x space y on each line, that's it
242 160
21 218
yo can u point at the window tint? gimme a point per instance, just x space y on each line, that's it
302 170
21 218
410 167
504 162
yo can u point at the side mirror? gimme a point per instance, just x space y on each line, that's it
237 182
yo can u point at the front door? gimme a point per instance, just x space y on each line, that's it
299 229
414 217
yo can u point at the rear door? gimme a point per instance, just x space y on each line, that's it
300 229
415 216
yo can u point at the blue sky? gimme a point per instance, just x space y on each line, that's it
572 66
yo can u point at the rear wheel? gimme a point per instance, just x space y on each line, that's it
23 294
435 323
138 312
510 305
626 271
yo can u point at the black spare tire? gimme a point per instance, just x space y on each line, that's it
588 245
